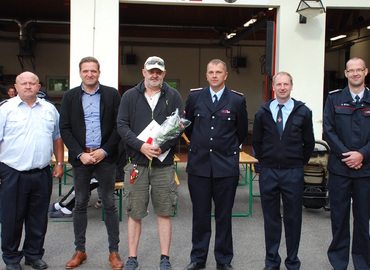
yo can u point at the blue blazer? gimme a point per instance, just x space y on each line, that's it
215 133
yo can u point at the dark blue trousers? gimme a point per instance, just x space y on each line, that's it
341 190
285 184
202 191
24 198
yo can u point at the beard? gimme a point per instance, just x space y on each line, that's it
155 83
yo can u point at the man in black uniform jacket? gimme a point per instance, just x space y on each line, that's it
347 131
283 142
219 126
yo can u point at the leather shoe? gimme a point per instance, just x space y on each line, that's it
37 264
271 268
77 259
115 261
195 266
13 267
225 266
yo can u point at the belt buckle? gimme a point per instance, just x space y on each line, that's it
89 150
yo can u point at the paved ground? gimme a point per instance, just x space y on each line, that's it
248 237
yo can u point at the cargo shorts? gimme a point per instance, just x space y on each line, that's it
159 181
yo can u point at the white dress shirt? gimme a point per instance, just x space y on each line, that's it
27 133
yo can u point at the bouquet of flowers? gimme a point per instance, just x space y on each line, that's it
170 128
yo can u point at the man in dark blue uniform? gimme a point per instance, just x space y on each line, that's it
283 142
219 126
347 131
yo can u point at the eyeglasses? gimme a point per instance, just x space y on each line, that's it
352 71
153 62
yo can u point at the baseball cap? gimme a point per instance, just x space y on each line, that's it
154 62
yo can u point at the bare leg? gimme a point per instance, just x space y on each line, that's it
164 232
133 235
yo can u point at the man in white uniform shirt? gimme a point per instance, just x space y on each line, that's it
29 134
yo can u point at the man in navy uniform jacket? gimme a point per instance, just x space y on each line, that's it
283 142
347 129
219 126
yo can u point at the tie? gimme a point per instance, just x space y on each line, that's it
357 98
279 120
215 101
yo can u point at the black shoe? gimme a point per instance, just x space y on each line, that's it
59 214
225 266
195 266
37 264
271 268
13 267
52 208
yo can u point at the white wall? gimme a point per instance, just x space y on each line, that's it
95 32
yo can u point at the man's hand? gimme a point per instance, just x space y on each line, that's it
92 158
98 155
353 159
58 171
150 151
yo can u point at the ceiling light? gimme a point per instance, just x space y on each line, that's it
338 37
251 21
368 27
271 8
230 35
310 8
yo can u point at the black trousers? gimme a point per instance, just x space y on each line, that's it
341 190
202 191
24 198
285 184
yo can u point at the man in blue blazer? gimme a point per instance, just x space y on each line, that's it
219 126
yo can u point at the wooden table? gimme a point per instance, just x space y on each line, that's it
246 161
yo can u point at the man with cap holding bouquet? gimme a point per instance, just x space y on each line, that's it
152 99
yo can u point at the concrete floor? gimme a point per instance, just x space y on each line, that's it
247 231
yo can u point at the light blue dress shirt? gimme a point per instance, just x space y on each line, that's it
360 95
286 110
218 94
91 107
27 133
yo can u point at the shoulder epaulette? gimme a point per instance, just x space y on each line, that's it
335 91
195 89
3 102
238 93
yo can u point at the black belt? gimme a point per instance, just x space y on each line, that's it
35 170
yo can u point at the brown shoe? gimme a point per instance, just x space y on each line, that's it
115 261
77 259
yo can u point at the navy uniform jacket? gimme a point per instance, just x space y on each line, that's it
294 148
215 133
347 128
